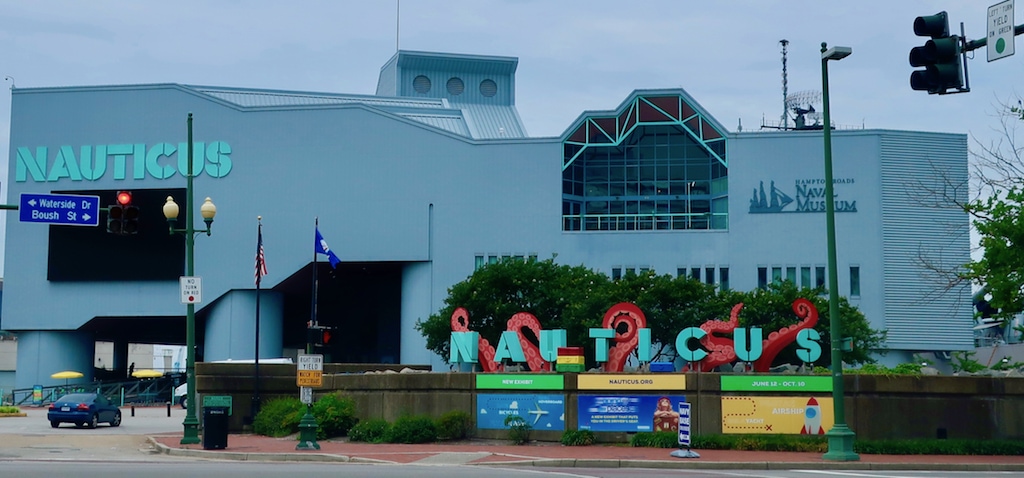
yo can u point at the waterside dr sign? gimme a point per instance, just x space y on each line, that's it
121 161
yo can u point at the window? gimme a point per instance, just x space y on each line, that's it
695 273
680 271
791 274
819 276
762 277
776 274
709 275
478 263
657 177
492 259
805 276
854 281
723 278
616 273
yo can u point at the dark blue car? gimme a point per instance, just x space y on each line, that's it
83 409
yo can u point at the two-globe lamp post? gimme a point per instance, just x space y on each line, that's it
208 211
840 437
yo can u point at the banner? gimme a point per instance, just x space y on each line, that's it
541 412
630 413
777 415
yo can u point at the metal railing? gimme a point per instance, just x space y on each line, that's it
146 391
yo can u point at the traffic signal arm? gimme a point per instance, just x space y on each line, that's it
975 44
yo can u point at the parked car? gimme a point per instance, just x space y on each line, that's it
83 409
181 395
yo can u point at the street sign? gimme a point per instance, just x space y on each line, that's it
310 371
66 209
684 424
191 289
306 395
1000 30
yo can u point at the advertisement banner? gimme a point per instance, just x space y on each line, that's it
541 412
628 413
777 415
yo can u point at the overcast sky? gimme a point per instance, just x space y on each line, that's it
574 55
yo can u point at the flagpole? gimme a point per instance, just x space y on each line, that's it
312 320
259 273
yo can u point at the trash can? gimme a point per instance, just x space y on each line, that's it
215 428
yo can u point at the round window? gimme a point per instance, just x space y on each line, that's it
455 86
421 84
488 88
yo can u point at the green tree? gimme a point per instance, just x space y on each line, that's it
772 309
573 298
1001 230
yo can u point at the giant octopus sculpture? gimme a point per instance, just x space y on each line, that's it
518 323
721 350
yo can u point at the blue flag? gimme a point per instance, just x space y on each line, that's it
321 248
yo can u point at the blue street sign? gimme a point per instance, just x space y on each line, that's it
684 424
65 209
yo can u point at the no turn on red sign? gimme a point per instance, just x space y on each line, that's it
191 289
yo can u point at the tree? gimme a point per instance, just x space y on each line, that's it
575 298
560 296
995 213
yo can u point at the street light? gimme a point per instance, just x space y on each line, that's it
208 211
840 437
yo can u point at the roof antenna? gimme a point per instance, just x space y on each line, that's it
398 20
785 87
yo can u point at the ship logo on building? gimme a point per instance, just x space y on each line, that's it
809 196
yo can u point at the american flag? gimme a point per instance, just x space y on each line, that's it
261 264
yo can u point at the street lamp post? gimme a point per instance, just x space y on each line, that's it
208 211
840 437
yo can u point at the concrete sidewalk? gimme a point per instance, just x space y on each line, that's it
249 447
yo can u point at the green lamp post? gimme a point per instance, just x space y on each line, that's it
840 437
208 211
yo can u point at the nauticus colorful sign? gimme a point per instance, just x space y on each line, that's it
624 330
121 162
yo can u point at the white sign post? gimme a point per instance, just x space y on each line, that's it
1000 30
191 289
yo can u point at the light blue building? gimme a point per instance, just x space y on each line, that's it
430 177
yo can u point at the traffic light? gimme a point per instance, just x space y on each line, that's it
940 56
123 218
326 336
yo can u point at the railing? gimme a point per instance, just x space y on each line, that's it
146 391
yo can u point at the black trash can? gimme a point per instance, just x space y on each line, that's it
215 428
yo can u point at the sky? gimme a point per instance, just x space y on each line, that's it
574 55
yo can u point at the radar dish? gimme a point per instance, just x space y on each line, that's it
806 108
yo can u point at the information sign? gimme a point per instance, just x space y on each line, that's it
66 209
1000 30
310 371
684 424
191 289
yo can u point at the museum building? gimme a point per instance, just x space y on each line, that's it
427 179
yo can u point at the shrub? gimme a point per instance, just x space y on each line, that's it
578 438
335 415
655 440
518 429
7 409
410 429
454 425
370 431
279 417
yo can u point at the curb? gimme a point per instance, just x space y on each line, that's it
602 463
